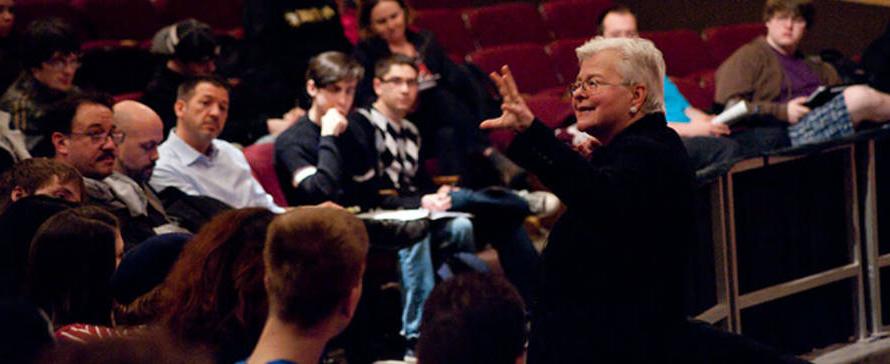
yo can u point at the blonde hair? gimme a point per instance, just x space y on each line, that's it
641 64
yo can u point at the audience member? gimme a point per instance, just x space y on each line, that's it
213 297
19 222
10 65
307 158
450 103
128 193
314 259
50 59
85 244
393 178
310 166
83 135
473 318
612 200
40 176
703 140
194 161
191 49
772 74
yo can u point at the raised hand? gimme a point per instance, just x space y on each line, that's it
515 113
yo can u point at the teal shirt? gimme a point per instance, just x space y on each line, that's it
674 103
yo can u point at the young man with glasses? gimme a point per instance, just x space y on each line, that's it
50 63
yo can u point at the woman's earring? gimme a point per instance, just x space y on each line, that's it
633 109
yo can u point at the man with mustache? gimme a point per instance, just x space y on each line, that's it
195 162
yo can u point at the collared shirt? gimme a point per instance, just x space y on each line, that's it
222 174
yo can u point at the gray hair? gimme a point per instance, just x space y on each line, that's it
641 64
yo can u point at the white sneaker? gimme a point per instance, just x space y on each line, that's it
541 203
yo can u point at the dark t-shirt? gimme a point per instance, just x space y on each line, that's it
802 79
317 160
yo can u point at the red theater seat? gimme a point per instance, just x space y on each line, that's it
694 93
120 19
437 4
562 52
573 18
219 14
684 51
27 11
449 27
507 23
261 158
723 40
531 67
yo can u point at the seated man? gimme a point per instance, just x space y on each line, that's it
701 138
392 178
314 259
129 194
773 76
310 164
40 176
194 161
473 318
50 62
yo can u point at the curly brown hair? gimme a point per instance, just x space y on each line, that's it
214 295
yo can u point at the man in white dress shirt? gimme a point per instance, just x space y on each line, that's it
194 161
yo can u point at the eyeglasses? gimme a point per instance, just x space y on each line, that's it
60 63
410 82
591 85
97 137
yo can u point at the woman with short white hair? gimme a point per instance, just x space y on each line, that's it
612 274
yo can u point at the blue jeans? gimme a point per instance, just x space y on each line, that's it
499 215
416 270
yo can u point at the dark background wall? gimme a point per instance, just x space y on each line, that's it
845 26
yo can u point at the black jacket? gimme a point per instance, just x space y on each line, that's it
612 273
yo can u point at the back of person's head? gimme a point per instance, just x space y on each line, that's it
331 67
30 175
19 222
143 347
640 63
801 8
472 318
381 68
366 7
187 88
613 9
60 117
314 261
70 264
214 293
44 38
193 41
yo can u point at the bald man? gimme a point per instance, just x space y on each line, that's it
126 192
139 150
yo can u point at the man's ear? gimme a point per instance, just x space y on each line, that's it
61 143
179 108
378 86
17 193
311 88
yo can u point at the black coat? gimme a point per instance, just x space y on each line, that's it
612 273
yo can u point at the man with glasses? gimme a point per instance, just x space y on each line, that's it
50 63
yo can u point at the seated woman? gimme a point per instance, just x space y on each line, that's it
214 297
72 258
450 104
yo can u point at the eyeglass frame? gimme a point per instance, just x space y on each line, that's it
591 84
117 136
